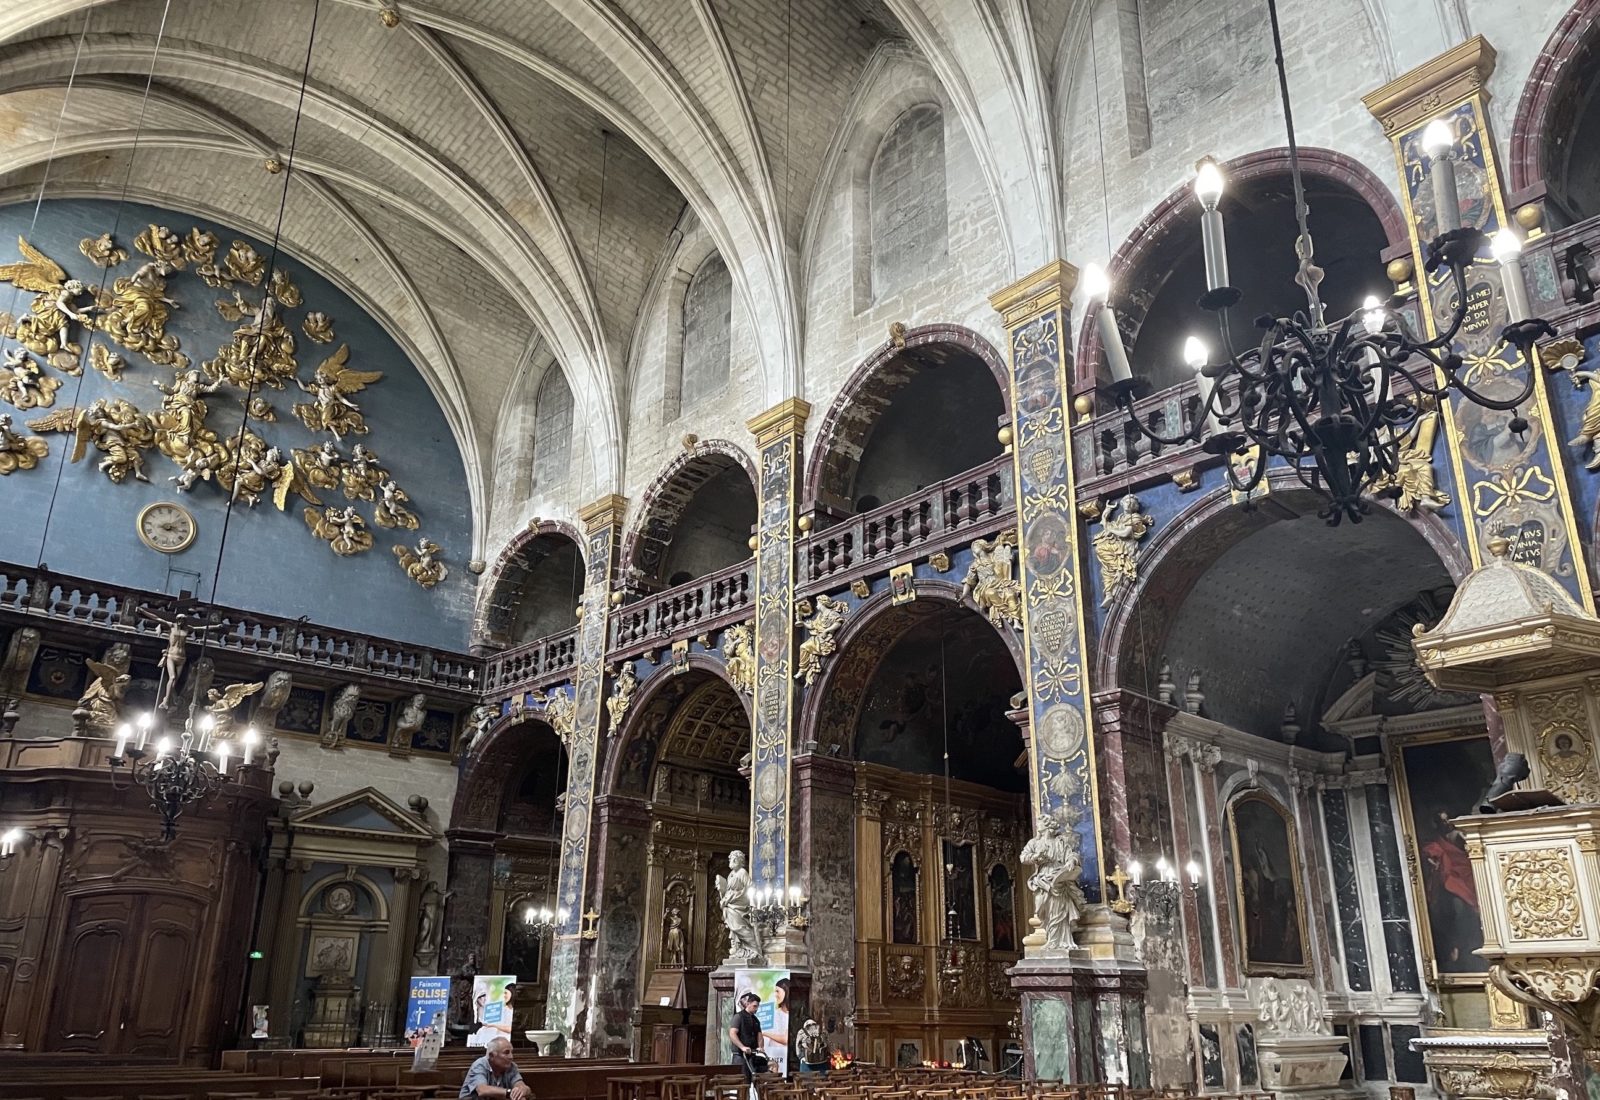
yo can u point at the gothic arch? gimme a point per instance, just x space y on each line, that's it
491 625
663 504
873 627
1157 232
1550 96
1186 547
848 425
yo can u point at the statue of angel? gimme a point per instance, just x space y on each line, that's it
48 327
362 474
391 510
256 467
19 452
137 318
1589 427
24 384
1117 545
478 722
820 625
332 410
220 704
99 709
199 464
116 428
341 528
991 582
180 423
261 352
321 466
422 565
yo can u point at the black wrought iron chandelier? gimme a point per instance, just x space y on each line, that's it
1320 394
176 776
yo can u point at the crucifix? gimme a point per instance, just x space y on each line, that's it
1120 879
591 925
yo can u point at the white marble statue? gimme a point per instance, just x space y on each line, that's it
733 894
1057 898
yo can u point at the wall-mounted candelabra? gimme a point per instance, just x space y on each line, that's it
771 909
1161 880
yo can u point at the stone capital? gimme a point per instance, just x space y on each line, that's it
786 418
1049 287
605 512
1455 75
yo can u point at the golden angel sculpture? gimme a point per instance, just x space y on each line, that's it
322 465
139 311
24 383
116 428
422 564
1414 482
102 251
341 528
221 703
332 410
160 244
181 433
821 624
48 327
391 510
991 581
254 469
1117 545
261 352
362 475
738 652
19 452
1589 429
99 710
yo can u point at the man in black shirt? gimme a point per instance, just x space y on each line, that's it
746 1031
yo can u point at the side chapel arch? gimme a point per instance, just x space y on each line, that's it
1561 88
846 430
503 587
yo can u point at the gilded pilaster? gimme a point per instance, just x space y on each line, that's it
1037 315
602 525
779 432
1507 483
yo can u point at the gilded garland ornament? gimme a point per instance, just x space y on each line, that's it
1117 545
821 623
48 326
622 692
991 581
19 452
422 564
116 428
102 251
343 529
332 410
24 384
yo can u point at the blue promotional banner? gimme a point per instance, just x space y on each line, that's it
427 1001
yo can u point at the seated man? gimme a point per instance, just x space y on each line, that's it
495 1076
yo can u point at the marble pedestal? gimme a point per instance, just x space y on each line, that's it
1302 1065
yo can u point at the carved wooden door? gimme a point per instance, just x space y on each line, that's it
126 975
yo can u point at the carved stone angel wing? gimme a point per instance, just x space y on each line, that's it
321 527
38 273
70 419
344 379
290 481
231 696
106 674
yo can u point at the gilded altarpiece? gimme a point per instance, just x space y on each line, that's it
926 980
1062 766
778 437
1508 484
602 522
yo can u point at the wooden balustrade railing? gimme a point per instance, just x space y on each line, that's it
101 607
709 603
533 664
943 515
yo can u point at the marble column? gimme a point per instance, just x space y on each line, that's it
1389 872
1346 889
1318 911
622 844
825 808
1208 797
602 529
779 433
1527 497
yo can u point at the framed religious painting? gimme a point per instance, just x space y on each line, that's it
1266 871
1440 776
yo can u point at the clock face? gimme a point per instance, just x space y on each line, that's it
168 528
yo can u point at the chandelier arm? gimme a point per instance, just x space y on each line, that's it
1497 404
1258 471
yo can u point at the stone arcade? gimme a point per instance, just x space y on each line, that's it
610 503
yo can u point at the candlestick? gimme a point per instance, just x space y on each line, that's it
1439 141
222 758
1208 186
9 841
1194 872
1195 353
163 746
1097 289
123 733
249 742
146 721
1508 250
1136 872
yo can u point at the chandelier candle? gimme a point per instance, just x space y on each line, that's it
1208 189
1439 142
1097 289
1507 248
1195 353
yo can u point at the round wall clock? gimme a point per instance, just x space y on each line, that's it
166 527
